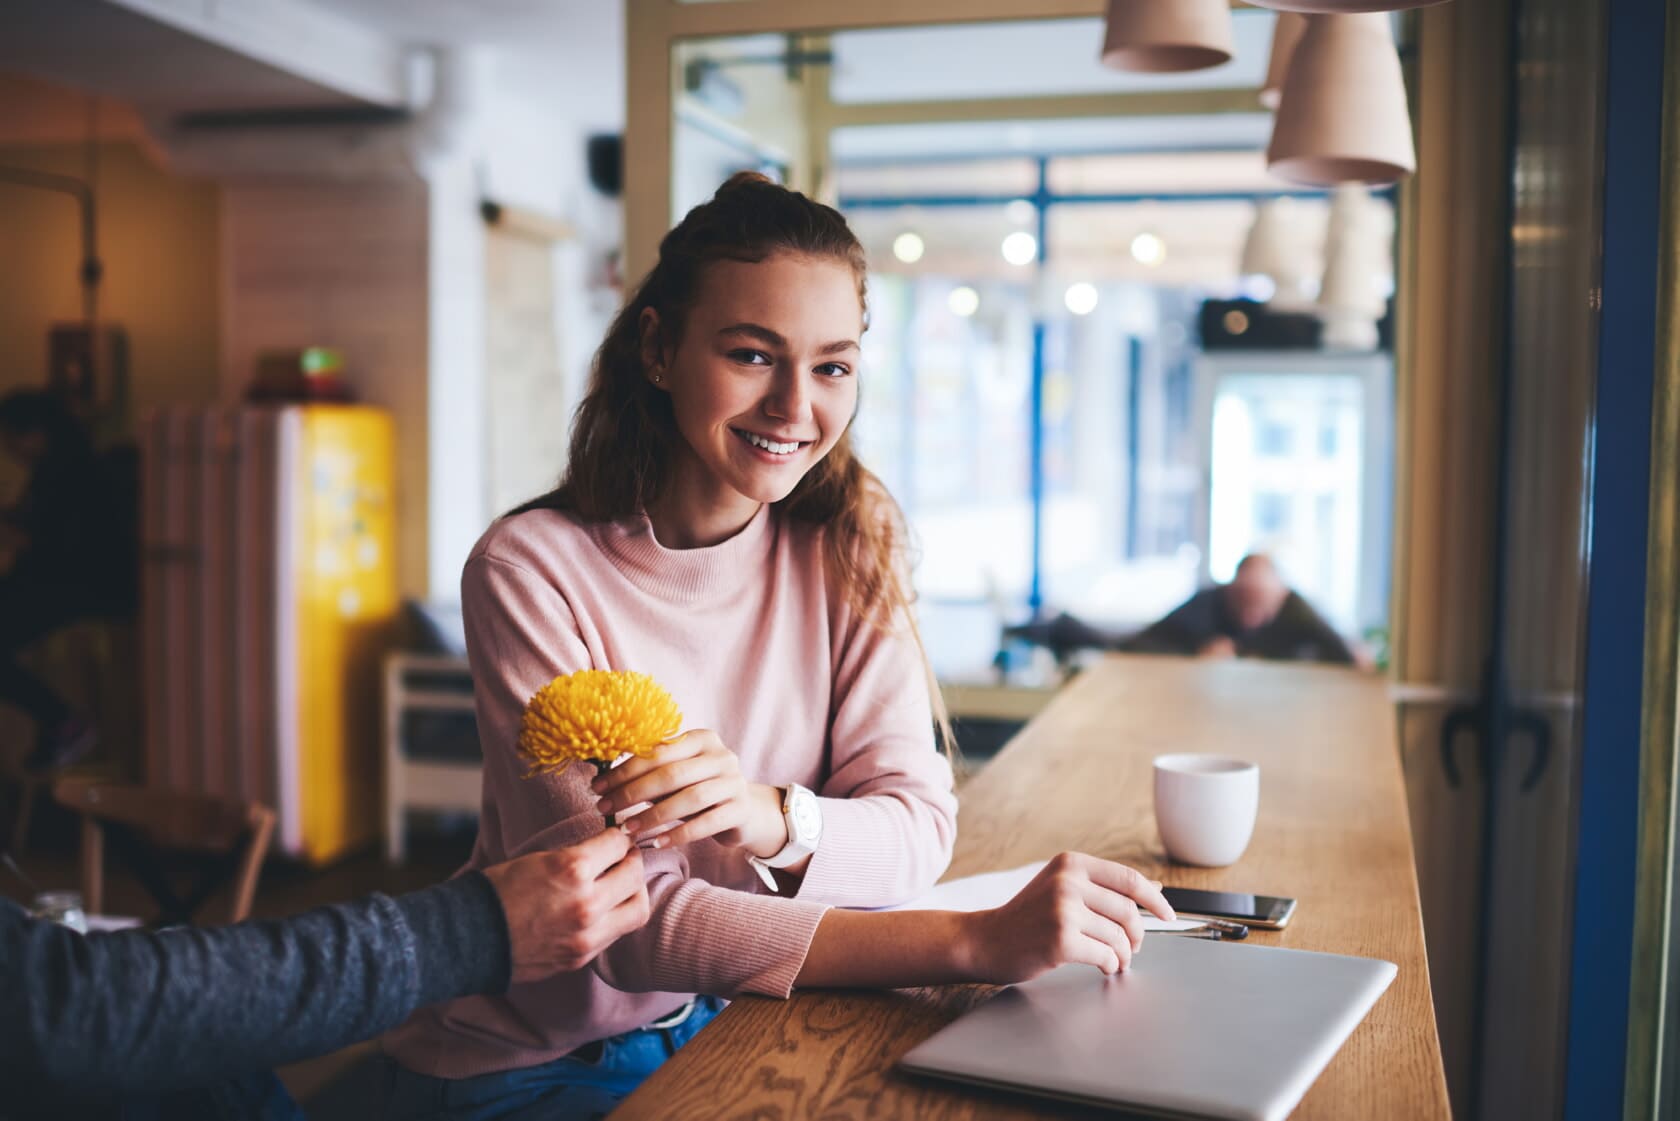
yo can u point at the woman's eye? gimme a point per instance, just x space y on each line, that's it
750 357
833 370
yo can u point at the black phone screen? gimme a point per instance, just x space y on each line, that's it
1225 904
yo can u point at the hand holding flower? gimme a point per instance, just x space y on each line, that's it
595 716
696 788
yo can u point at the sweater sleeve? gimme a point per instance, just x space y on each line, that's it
889 815
700 938
142 1012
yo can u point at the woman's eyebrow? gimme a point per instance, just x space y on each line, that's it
771 338
753 330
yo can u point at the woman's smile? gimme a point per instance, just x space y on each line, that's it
768 448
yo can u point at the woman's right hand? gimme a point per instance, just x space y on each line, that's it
1077 909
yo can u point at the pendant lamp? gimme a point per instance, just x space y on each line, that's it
1342 7
1285 34
1276 250
1357 268
1163 36
1343 115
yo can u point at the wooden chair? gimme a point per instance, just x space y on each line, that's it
229 837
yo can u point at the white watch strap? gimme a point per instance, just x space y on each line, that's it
764 872
791 853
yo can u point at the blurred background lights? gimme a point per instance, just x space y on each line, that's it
963 301
1148 249
908 247
1020 248
1081 298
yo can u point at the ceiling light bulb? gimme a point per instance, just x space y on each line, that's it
1020 211
1081 298
1020 248
908 247
963 301
1148 249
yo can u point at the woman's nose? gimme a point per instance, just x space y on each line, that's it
790 397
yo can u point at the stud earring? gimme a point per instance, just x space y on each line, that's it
657 378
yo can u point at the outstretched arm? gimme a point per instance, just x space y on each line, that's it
136 1012
1077 909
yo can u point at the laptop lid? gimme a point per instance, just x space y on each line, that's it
1194 1028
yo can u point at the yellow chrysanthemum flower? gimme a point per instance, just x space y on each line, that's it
596 715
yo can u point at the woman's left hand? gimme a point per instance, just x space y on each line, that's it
694 781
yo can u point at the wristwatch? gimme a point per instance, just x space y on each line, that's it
804 826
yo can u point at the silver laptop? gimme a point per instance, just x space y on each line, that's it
1193 1029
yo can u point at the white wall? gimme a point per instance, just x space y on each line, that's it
533 109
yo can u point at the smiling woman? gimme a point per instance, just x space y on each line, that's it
714 530
756 407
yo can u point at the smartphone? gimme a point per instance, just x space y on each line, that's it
1268 912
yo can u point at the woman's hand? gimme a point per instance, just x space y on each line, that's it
1077 909
695 782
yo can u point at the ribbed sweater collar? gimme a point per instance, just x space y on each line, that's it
687 575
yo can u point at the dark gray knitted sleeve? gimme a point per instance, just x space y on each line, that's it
136 1012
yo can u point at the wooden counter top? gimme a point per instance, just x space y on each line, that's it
1333 832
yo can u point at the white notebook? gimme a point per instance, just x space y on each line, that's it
992 889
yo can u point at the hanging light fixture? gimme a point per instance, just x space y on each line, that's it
1357 271
1163 36
1342 7
1286 32
1276 250
1343 116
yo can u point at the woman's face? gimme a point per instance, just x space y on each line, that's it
764 379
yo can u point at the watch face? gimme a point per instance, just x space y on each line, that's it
805 818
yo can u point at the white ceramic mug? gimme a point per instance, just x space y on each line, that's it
1205 807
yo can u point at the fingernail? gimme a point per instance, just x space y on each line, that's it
598 785
603 805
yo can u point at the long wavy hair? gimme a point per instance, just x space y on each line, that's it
625 432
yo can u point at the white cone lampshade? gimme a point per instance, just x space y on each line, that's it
1354 272
1353 217
1343 116
1276 249
1163 36
1285 34
1334 7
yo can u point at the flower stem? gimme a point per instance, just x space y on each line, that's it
602 766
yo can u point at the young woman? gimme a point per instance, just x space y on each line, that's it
714 530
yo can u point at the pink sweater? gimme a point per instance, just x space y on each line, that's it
755 643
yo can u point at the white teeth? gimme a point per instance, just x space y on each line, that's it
771 446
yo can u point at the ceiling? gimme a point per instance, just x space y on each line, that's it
879 143
108 49
1035 58
492 23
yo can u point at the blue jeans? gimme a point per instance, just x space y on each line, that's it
563 1089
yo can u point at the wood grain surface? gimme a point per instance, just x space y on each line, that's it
1333 832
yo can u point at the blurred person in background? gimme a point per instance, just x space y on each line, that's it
1256 615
